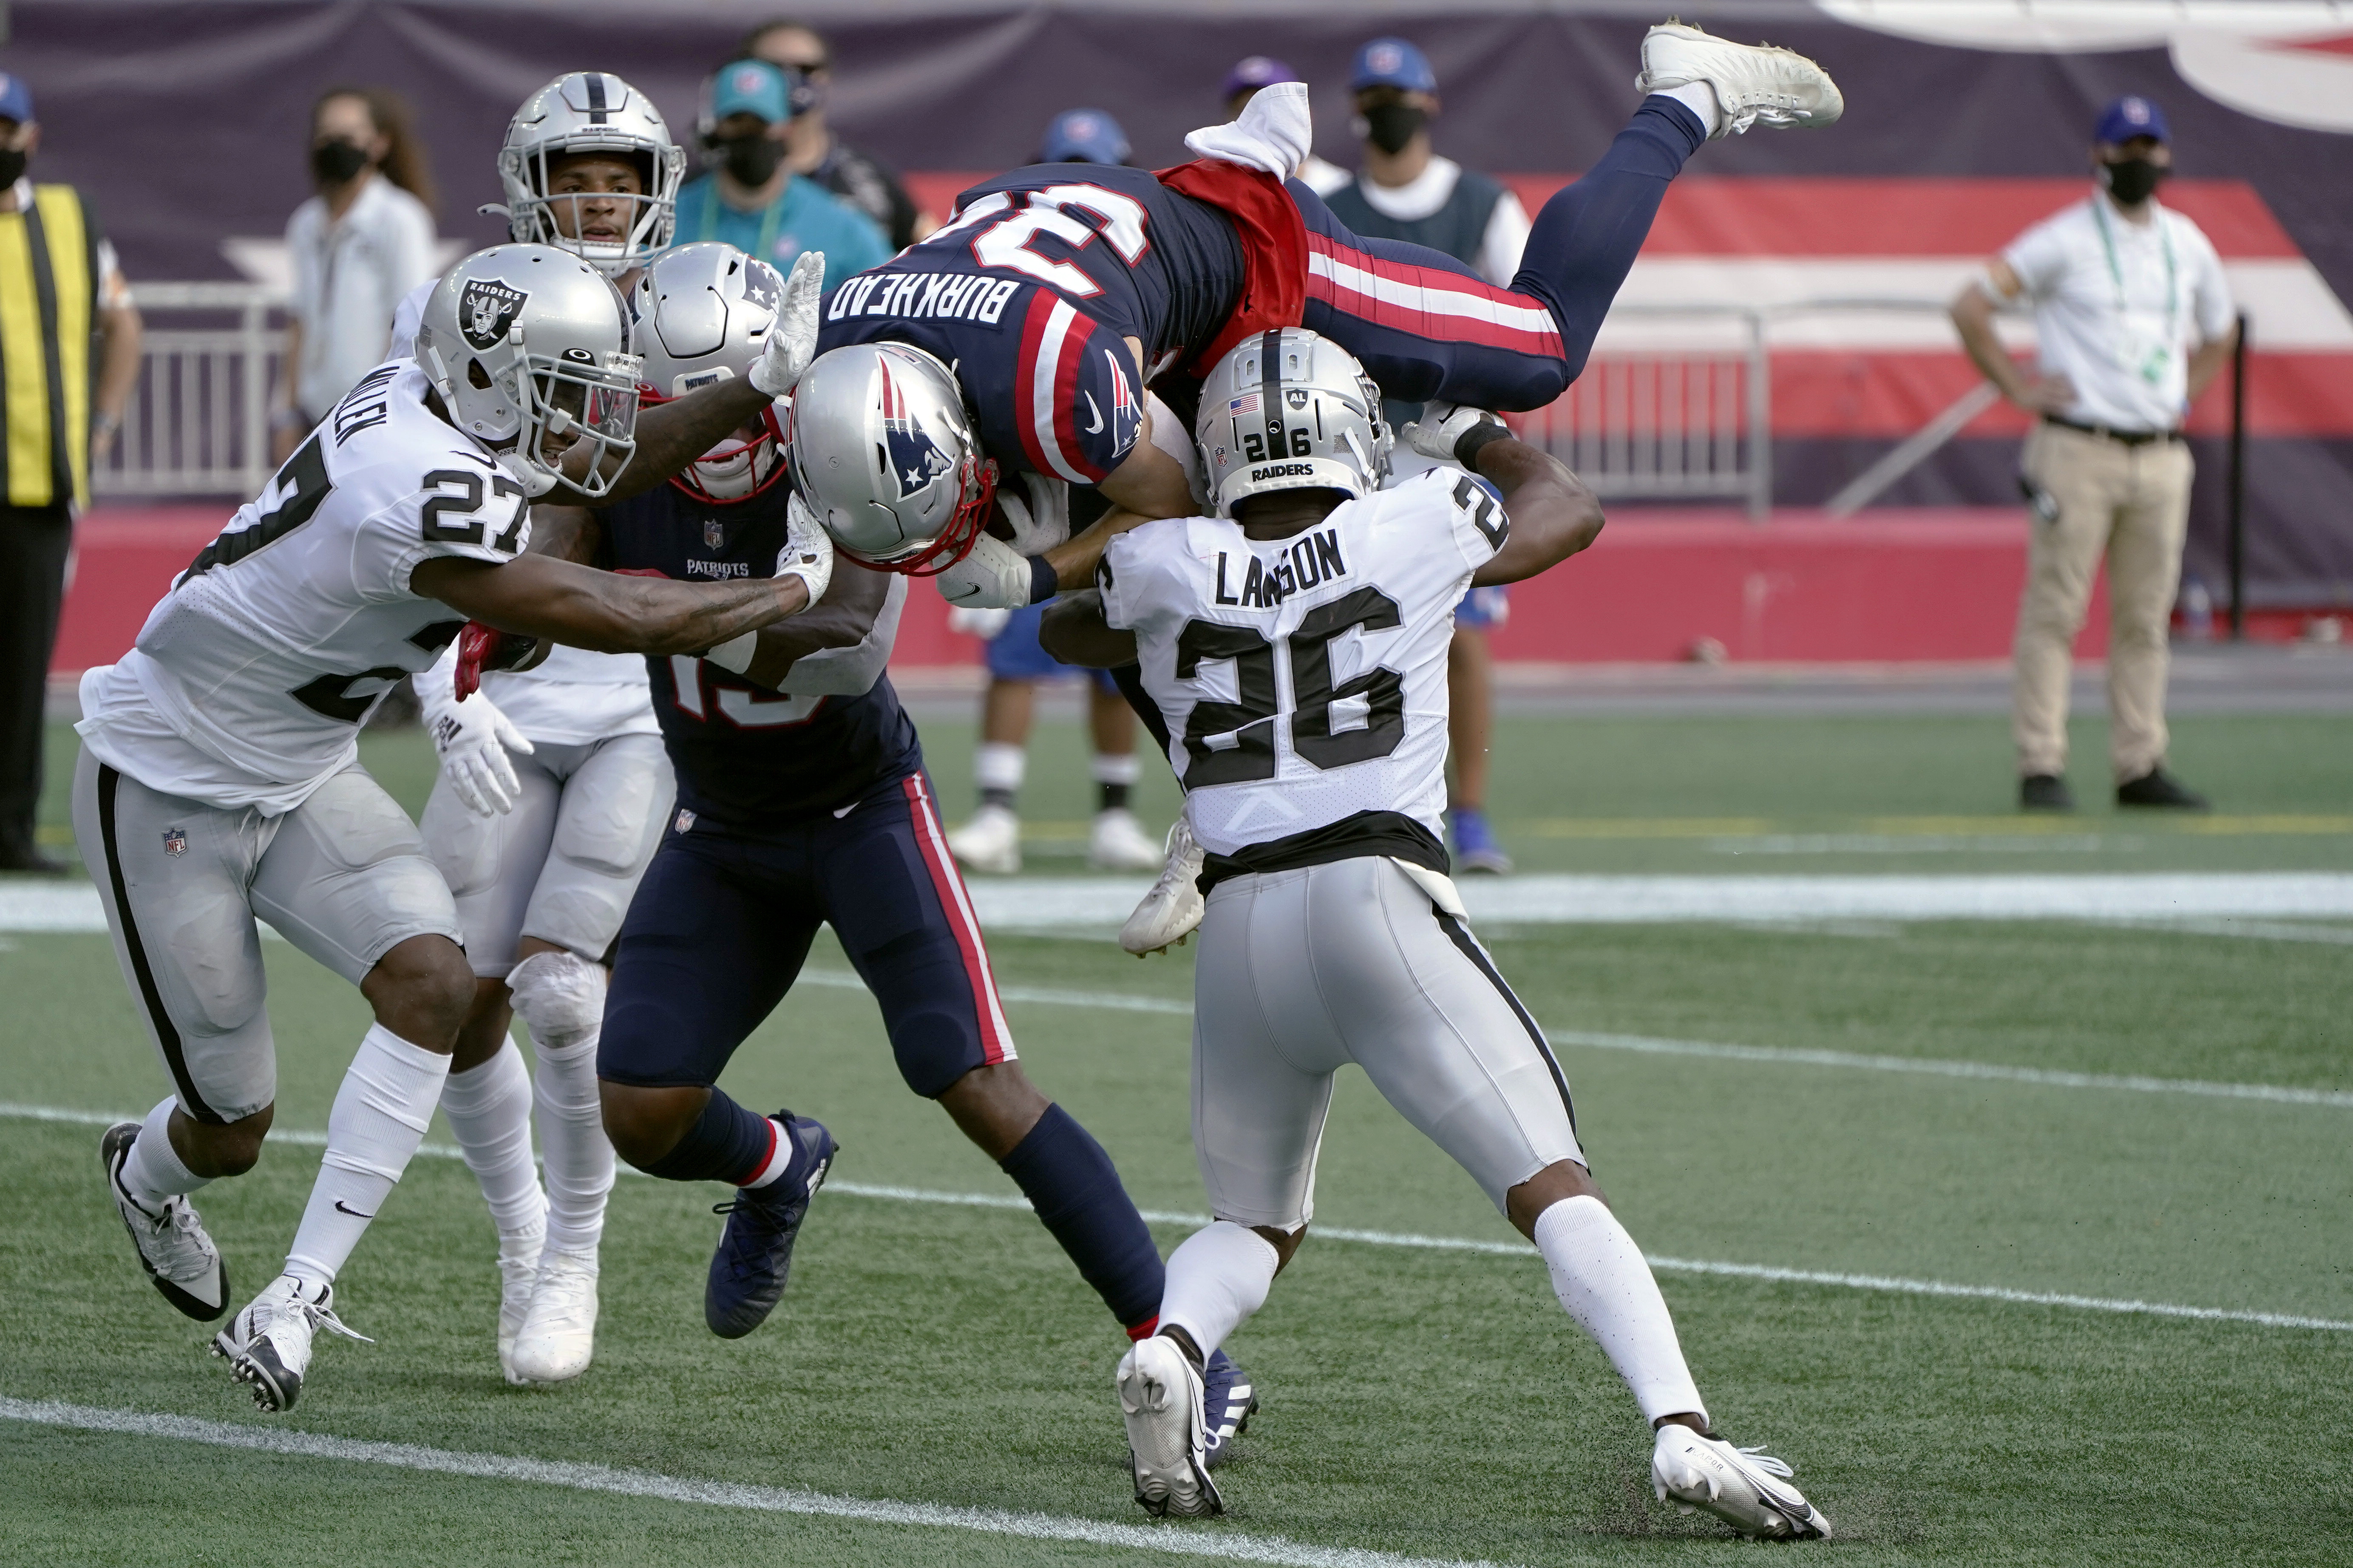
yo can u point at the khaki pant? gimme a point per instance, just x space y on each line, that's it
2131 505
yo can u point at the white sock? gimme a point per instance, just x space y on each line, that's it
561 997
780 1156
996 765
1115 768
572 1140
380 1116
153 1172
1601 1278
1219 1277
489 1108
1700 98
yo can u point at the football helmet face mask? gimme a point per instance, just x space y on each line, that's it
883 453
591 111
704 313
1289 410
530 349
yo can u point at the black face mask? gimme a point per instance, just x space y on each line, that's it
335 162
12 166
753 159
1390 126
2133 180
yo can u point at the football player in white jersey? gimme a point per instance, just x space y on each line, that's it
553 790
218 779
1296 644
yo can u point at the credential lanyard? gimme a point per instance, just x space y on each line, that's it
2117 272
773 215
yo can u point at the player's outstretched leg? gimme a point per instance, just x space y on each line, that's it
1183 1398
562 997
488 1103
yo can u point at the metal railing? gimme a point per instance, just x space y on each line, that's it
1684 423
197 423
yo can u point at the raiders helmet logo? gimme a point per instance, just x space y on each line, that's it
486 311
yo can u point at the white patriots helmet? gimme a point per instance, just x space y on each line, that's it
591 111
884 453
703 314
525 344
1289 410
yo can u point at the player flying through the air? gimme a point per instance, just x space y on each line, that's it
1295 642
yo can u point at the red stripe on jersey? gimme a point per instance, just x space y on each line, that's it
996 1035
1025 376
1429 301
1077 334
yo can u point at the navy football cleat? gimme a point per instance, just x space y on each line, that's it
1228 1402
755 1251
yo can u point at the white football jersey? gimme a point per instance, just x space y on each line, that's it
1303 680
252 676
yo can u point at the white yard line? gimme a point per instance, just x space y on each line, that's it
1169 1541
1491 1247
1774 1056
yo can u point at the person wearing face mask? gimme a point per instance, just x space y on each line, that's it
70 340
811 148
357 246
750 198
1405 190
2133 319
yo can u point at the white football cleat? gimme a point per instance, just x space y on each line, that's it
1160 1394
180 1258
1755 84
990 842
267 1345
1746 1487
518 1271
559 1335
1175 905
1117 842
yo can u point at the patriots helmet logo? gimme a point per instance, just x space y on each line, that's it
486 311
914 456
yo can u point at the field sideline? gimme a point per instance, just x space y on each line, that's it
1813 1128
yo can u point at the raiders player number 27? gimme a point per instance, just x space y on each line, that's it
219 779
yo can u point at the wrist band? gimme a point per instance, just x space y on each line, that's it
1044 581
1467 447
735 653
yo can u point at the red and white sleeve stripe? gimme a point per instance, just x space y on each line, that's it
1053 343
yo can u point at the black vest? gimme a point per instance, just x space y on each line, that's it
1459 228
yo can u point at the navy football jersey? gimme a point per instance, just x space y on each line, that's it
1028 291
744 754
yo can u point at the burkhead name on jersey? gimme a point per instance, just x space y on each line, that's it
1304 678
252 678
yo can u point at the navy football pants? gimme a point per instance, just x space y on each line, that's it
1426 326
722 922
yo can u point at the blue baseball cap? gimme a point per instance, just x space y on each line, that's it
2129 117
1392 62
751 87
1254 71
1083 136
16 99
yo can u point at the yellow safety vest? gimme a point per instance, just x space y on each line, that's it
49 294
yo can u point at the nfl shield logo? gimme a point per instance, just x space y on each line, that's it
715 532
685 819
175 842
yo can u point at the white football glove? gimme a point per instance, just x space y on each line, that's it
1441 425
808 553
473 737
994 576
1043 519
791 341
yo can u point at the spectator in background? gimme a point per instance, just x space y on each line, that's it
1404 190
363 242
752 200
1252 72
2133 319
811 148
69 354
991 840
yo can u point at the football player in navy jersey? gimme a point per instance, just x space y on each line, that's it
802 801
1055 295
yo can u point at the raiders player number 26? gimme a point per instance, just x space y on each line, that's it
219 778
1296 644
